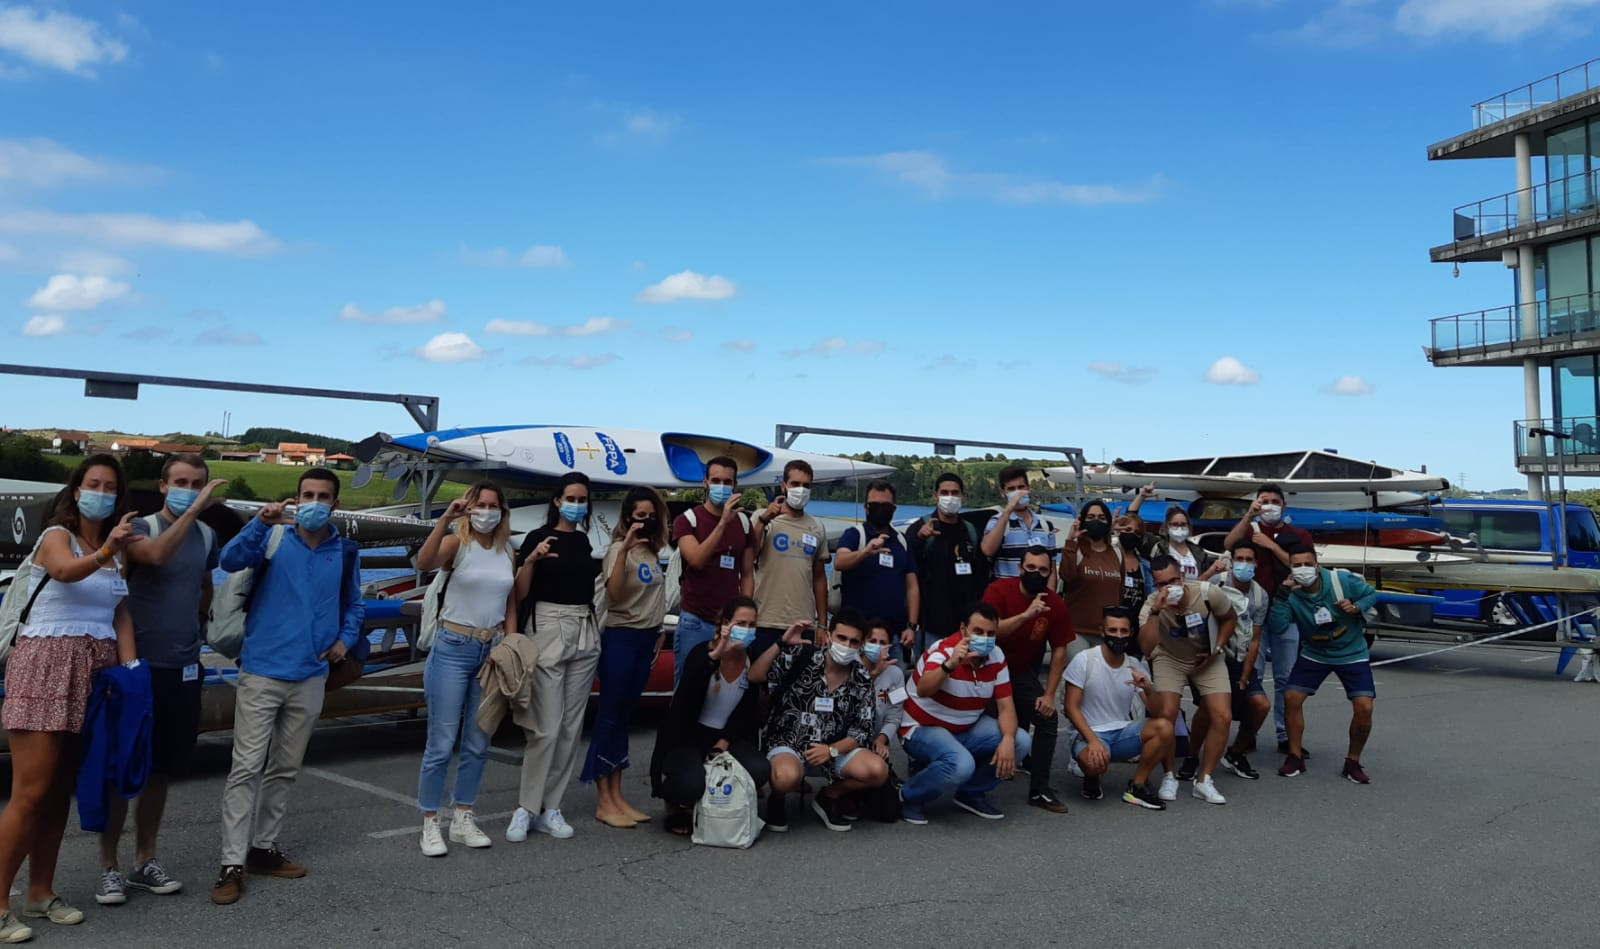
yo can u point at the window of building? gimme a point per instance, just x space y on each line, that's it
1566 164
1575 391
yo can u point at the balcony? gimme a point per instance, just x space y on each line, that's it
1566 207
1579 452
1496 338
1532 109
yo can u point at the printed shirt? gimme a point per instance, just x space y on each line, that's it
808 712
1018 538
1183 638
1025 645
964 695
785 592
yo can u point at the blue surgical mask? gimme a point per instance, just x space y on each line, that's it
872 651
720 493
981 645
96 505
741 636
573 513
312 515
1244 572
179 499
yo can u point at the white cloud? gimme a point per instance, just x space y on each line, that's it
450 347
932 174
45 325
676 334
1116 371
224 336
539 256
57 40
948 361
1496 20
687 285
234 237
66 291
1349 385
430 312
41 163
572 362
147 333
838 344
869 347
593 326
1229 371
90 261
740 345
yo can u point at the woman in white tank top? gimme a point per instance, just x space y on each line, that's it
472 541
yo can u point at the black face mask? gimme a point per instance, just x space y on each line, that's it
648 527
1117 644
1033 584
1097 530
880 512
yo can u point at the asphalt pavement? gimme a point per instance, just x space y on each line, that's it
1477 830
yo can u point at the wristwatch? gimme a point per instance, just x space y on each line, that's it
946 667
833 751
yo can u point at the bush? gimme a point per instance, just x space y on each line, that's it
239 490
751 499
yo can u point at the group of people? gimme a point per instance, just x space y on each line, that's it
938 643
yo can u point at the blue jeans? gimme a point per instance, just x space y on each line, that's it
692 631
943 761
625 659
1285 650
450 687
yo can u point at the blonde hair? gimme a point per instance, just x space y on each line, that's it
502 531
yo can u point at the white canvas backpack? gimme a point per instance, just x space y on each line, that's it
726 814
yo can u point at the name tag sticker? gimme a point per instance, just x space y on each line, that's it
822 705
897 696
886 560
1127 582
1193 620
963 569
726 561
191 672
119 587
808 540
1323 617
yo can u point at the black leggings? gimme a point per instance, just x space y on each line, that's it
683 771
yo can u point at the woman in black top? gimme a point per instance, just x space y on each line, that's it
713 709
555 584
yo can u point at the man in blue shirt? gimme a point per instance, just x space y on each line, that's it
305 612
1010 533
879 575
1327 606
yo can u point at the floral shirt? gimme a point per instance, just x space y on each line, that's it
807 712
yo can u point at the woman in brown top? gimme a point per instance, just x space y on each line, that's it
1095 570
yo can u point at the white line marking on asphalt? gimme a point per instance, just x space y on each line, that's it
1456 672
1533 658
413 828
372 789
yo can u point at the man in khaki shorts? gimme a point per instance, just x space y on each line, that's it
1175 632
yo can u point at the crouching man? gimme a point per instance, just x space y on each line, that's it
1101 686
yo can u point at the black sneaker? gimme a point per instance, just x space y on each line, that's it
1283 749
1140 795
1046 800
778 813
1025 766
830 811
1240 765
1186 770
1091 789
850 808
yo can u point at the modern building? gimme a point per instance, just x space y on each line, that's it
1547 231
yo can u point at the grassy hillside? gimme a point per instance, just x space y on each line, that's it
276 482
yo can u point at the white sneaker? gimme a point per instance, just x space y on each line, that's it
552 823
1073 769
464 830
1169 787
432 843
517 830
1205 791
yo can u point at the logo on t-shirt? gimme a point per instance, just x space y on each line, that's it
780 542
645 575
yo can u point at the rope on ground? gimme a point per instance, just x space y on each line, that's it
1488 639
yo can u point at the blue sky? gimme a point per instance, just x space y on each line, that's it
1045 224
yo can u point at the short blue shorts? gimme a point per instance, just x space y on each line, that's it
832 770
1123 743
1356 677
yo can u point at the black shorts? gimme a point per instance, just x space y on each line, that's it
174 721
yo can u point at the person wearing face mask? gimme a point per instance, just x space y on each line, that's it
1010 533
1328 606
821 719
951 568
791 579
718 556
953 746
882 803
1032 616
1097 571
713 709
555 587
1102 684
478 607
1242 653
637 600
305 613
878 572
1176 631
1263 528
169 596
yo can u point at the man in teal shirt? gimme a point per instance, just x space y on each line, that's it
1326 606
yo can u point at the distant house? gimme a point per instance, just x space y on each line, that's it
125 445
298 454
80 439
168 449
239 456
341 461
270 456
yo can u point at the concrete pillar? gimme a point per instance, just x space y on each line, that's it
1532 408
1524 150
1527 294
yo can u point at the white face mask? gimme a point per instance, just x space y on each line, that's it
844 655
1272 513
797 498
949 504
1304 576
1178 534
1020 497
486 520
1175 594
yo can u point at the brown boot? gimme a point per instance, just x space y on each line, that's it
272 862
230 883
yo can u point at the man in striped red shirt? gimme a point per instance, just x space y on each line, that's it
952 745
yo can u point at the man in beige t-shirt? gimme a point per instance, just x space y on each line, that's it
791 552
1175 632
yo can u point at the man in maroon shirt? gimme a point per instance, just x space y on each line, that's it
1265 530
713 541
1031 614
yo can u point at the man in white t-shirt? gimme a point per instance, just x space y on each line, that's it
1101 686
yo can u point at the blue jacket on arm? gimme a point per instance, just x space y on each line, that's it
116 742
303 601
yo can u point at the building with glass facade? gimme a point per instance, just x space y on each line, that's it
1547 232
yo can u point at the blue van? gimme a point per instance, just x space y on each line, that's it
1512 531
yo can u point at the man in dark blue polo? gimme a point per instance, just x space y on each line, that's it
879 575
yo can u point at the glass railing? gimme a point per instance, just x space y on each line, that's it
1561 198
1501 327
1540 92
1557 436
